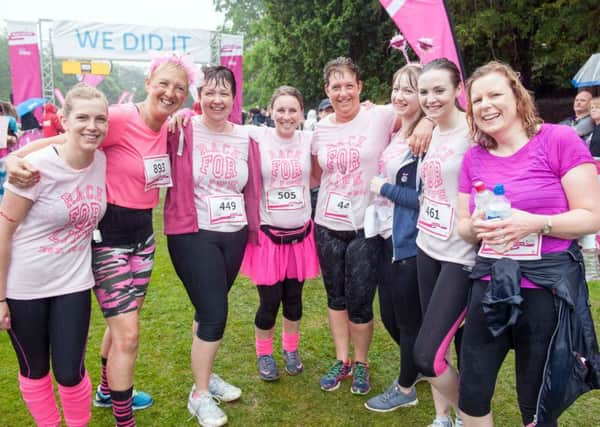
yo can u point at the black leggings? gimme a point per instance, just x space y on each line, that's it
400 308
349 269
54 327
482 354
443 290
288 292
207 262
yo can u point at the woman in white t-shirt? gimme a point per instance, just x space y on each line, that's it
444 259
45 262
347 145
284 254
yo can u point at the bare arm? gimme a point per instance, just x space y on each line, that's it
421 136
21 173
583 217
13 211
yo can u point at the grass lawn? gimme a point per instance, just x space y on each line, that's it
163 367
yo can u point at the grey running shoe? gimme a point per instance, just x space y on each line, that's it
392 399
267 368
205 408
221 389
293 364
442 422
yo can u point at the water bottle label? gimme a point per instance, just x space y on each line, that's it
528 248
436 218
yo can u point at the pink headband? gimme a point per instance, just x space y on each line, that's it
182 60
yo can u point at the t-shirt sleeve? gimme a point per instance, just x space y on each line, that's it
117 116
465 182
388 117
567 150
314 143
32 193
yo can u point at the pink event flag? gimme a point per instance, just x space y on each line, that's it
24 55
426 27
232 47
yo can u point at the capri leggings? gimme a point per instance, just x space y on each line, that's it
289 293
51 328
482 354
400 307
443 289
349 269
207 262
122 275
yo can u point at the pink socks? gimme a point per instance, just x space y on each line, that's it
39 398
290 341
77 402
264 347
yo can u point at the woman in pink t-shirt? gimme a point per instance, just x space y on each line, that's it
45 262
550 180
123 255
284 254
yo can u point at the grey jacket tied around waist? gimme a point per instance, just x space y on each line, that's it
572 365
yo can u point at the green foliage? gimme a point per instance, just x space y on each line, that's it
290 42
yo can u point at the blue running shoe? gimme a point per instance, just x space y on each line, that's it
293 363
267 368
337 373
361 382
140 400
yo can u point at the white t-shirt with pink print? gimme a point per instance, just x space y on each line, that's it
285 169
438 220
51 250
348 153
220 165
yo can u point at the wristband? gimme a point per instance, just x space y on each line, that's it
3 300
430 119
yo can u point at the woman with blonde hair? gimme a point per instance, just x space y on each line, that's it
46 262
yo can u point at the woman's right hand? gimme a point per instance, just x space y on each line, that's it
4 316
20 173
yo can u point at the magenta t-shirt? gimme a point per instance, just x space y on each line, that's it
531 176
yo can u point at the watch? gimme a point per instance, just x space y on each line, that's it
547 227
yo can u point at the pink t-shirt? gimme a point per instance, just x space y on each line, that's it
440 175
392 158
128 143
285 170
51 250
348 153
220 165
531 176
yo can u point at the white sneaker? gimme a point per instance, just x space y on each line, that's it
205 408
442 422
222 389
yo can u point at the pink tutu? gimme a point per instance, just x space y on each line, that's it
268 263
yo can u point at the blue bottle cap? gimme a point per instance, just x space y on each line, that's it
499 189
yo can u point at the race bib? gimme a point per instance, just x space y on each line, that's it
226 209
528 248
158 172
339 208
436 218
285 198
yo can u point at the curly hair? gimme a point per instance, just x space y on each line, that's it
526 110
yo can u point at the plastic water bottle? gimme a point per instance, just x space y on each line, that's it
482 196
2 178
498 207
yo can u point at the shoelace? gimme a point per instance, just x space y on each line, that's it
360 372
214 398
387 395
267 364
335 370
293 358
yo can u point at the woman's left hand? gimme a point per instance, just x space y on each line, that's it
504 233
